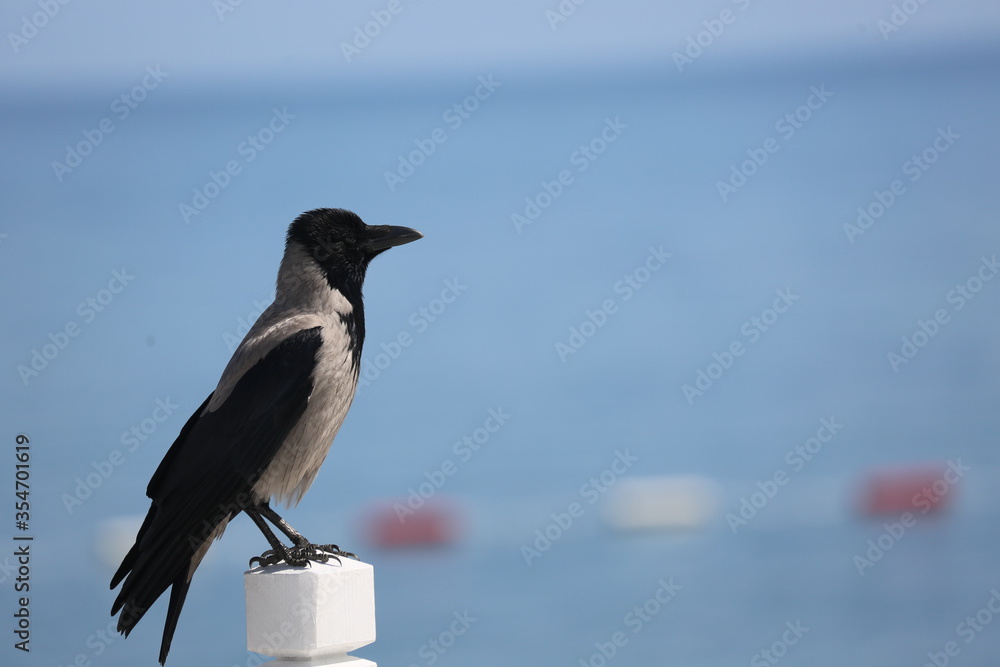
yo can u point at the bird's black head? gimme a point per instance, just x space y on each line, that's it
342 245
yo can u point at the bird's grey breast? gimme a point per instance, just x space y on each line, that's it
303 300
334 380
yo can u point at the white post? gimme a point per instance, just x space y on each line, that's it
313 615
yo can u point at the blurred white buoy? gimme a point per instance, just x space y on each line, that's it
662 502
114 538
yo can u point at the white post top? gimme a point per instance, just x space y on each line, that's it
311 616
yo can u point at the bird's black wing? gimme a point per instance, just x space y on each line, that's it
207 475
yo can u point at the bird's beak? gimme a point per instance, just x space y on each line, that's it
384 237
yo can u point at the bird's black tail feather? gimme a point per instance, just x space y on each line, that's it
178 592
164 555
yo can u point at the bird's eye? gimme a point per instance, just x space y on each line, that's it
324 248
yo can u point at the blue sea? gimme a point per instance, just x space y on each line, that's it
688 271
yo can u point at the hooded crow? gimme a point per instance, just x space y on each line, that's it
266 429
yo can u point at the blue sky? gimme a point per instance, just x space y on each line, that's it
198 281
48 43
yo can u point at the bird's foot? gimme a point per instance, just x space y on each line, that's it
301 555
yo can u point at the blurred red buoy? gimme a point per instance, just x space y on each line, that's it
915 487
395 524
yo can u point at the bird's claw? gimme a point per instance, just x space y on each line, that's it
301 555
334 550
265 559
